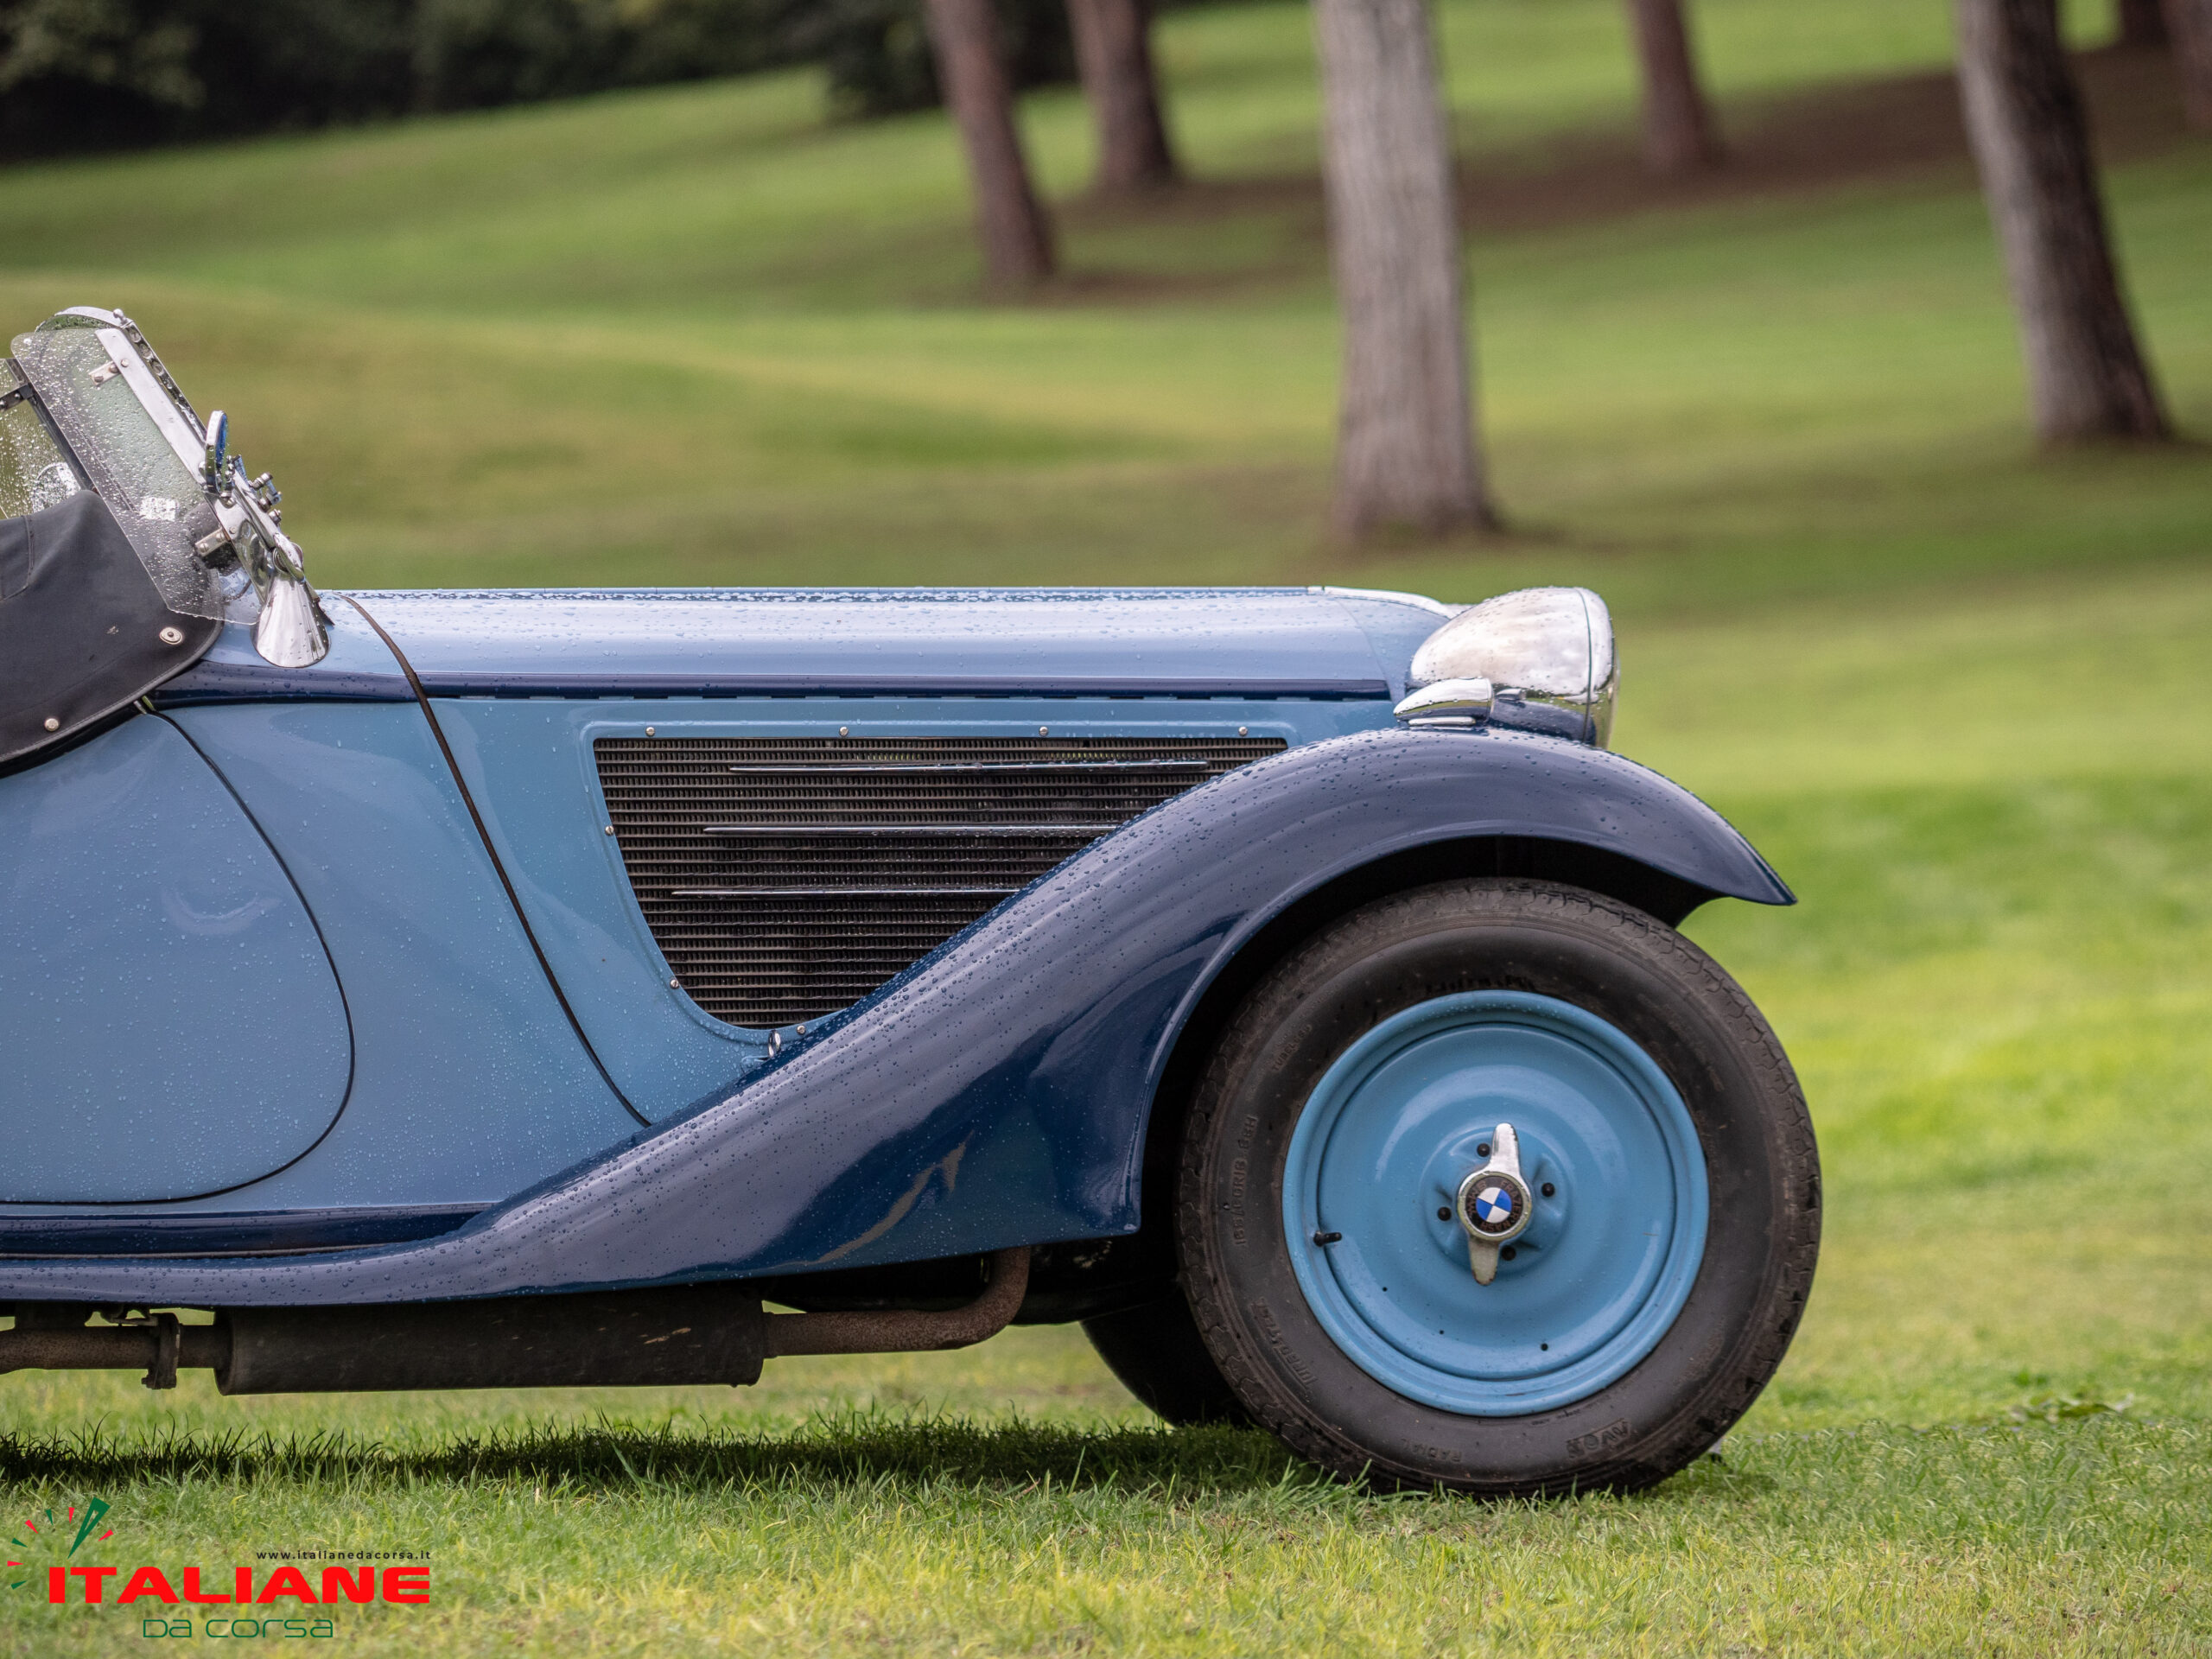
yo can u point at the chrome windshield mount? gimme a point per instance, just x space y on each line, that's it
237 535
289 631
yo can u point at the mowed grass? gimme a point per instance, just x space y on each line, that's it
1956 691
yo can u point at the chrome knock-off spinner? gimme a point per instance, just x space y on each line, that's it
1493 1206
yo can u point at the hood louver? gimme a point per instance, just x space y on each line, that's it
786 878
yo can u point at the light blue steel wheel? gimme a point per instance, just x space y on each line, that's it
1608 1152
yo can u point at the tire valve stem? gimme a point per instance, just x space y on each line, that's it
1327 1238
1492 1205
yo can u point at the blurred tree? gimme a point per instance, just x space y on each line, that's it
2086 376
1406 450
876 54
2190 23
1113 49
878 57
104 74
1017 238
71 68
78 74
473 54
1678 132
2141 23
109 74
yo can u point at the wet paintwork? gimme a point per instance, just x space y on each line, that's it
996 1093
145 928
905 641
469 1084
529 765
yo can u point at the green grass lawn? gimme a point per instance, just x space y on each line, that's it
1956 692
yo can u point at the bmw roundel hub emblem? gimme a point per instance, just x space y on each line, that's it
1494 1204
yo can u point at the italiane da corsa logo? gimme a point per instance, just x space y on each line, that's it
40 1536
55 1555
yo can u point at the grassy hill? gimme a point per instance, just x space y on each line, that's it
1955 690
702 334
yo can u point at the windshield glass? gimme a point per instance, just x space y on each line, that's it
137 444
34 473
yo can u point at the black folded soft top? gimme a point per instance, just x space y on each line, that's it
83 630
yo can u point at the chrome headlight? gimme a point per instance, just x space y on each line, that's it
1540 660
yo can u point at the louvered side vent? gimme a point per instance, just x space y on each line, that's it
785 878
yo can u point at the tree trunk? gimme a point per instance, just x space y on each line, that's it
1678 135
1405 443
2087 378
2141 23
1017 238
2189 22
1113 51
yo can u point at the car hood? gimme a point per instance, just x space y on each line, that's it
1192 641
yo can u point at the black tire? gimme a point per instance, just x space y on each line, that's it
1762 1171
1156 1352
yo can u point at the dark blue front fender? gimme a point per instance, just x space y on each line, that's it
997 1092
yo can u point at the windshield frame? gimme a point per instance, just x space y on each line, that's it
209 538
126 451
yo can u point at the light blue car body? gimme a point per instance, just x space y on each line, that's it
329 985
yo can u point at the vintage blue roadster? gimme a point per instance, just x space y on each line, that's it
462 989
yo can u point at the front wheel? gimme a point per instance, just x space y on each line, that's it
1498 1185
